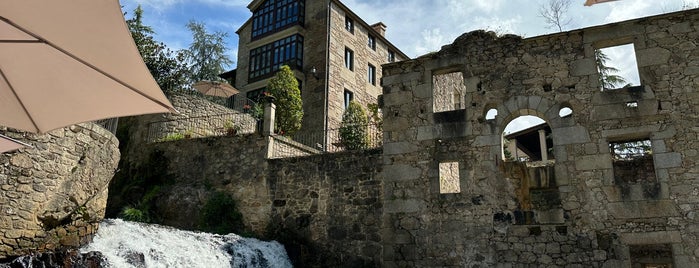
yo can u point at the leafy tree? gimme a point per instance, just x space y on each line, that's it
285 89
607 78
353 129
554 13
206 55
375 115
166 67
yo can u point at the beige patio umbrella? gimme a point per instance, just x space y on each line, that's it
66 62
592 2
9 144
215 88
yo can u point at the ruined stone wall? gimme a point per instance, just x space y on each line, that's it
596 224
53 195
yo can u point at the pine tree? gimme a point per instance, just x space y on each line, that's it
285 89
607 77
206 55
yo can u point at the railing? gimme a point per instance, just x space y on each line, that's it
109 124
314 142
236 102
202 126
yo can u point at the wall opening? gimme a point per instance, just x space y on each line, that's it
449 178
526 139
651 256
448 91
617 67
565 112
491 114
634 172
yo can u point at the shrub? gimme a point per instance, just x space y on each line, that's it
354 127
172 137
220 215
133 214
285 89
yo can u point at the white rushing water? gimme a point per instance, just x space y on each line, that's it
130 244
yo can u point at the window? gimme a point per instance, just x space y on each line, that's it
448 91
391 56
372 74
617 67
349 24
349 59
372 42
449 178
255 95
265 60
274 15
349 96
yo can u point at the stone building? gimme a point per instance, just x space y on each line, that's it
621 189
336 56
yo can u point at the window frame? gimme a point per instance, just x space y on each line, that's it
348 96
274 16
371 74
371 42
349 59
266 59
391 56
349 24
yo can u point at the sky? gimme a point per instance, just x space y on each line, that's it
416 27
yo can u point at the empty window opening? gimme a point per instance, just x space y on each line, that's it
651 256
349 96
617 67
632 104
565 112
491 114
448 91
632 162
527 138
449 178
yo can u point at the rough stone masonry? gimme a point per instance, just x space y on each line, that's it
578 209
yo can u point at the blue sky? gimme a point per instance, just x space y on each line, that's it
416 27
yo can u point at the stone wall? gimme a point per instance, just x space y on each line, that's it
326 209
53 195
598 225
198 117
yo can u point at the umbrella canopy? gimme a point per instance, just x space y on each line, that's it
592 2
67 62
215 88
8 144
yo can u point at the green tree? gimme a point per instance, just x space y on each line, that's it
206 55
166 67
607 77
354 127
285 89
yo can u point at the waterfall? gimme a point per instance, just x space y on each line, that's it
131 244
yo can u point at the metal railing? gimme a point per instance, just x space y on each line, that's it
330 141
202 126
237 102
109 124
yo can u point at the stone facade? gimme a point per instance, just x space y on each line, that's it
325 40
581 216
54 194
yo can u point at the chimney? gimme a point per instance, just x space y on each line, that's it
380 27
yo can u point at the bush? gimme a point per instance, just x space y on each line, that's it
220 215
285 89
133 214
354 127
172 137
